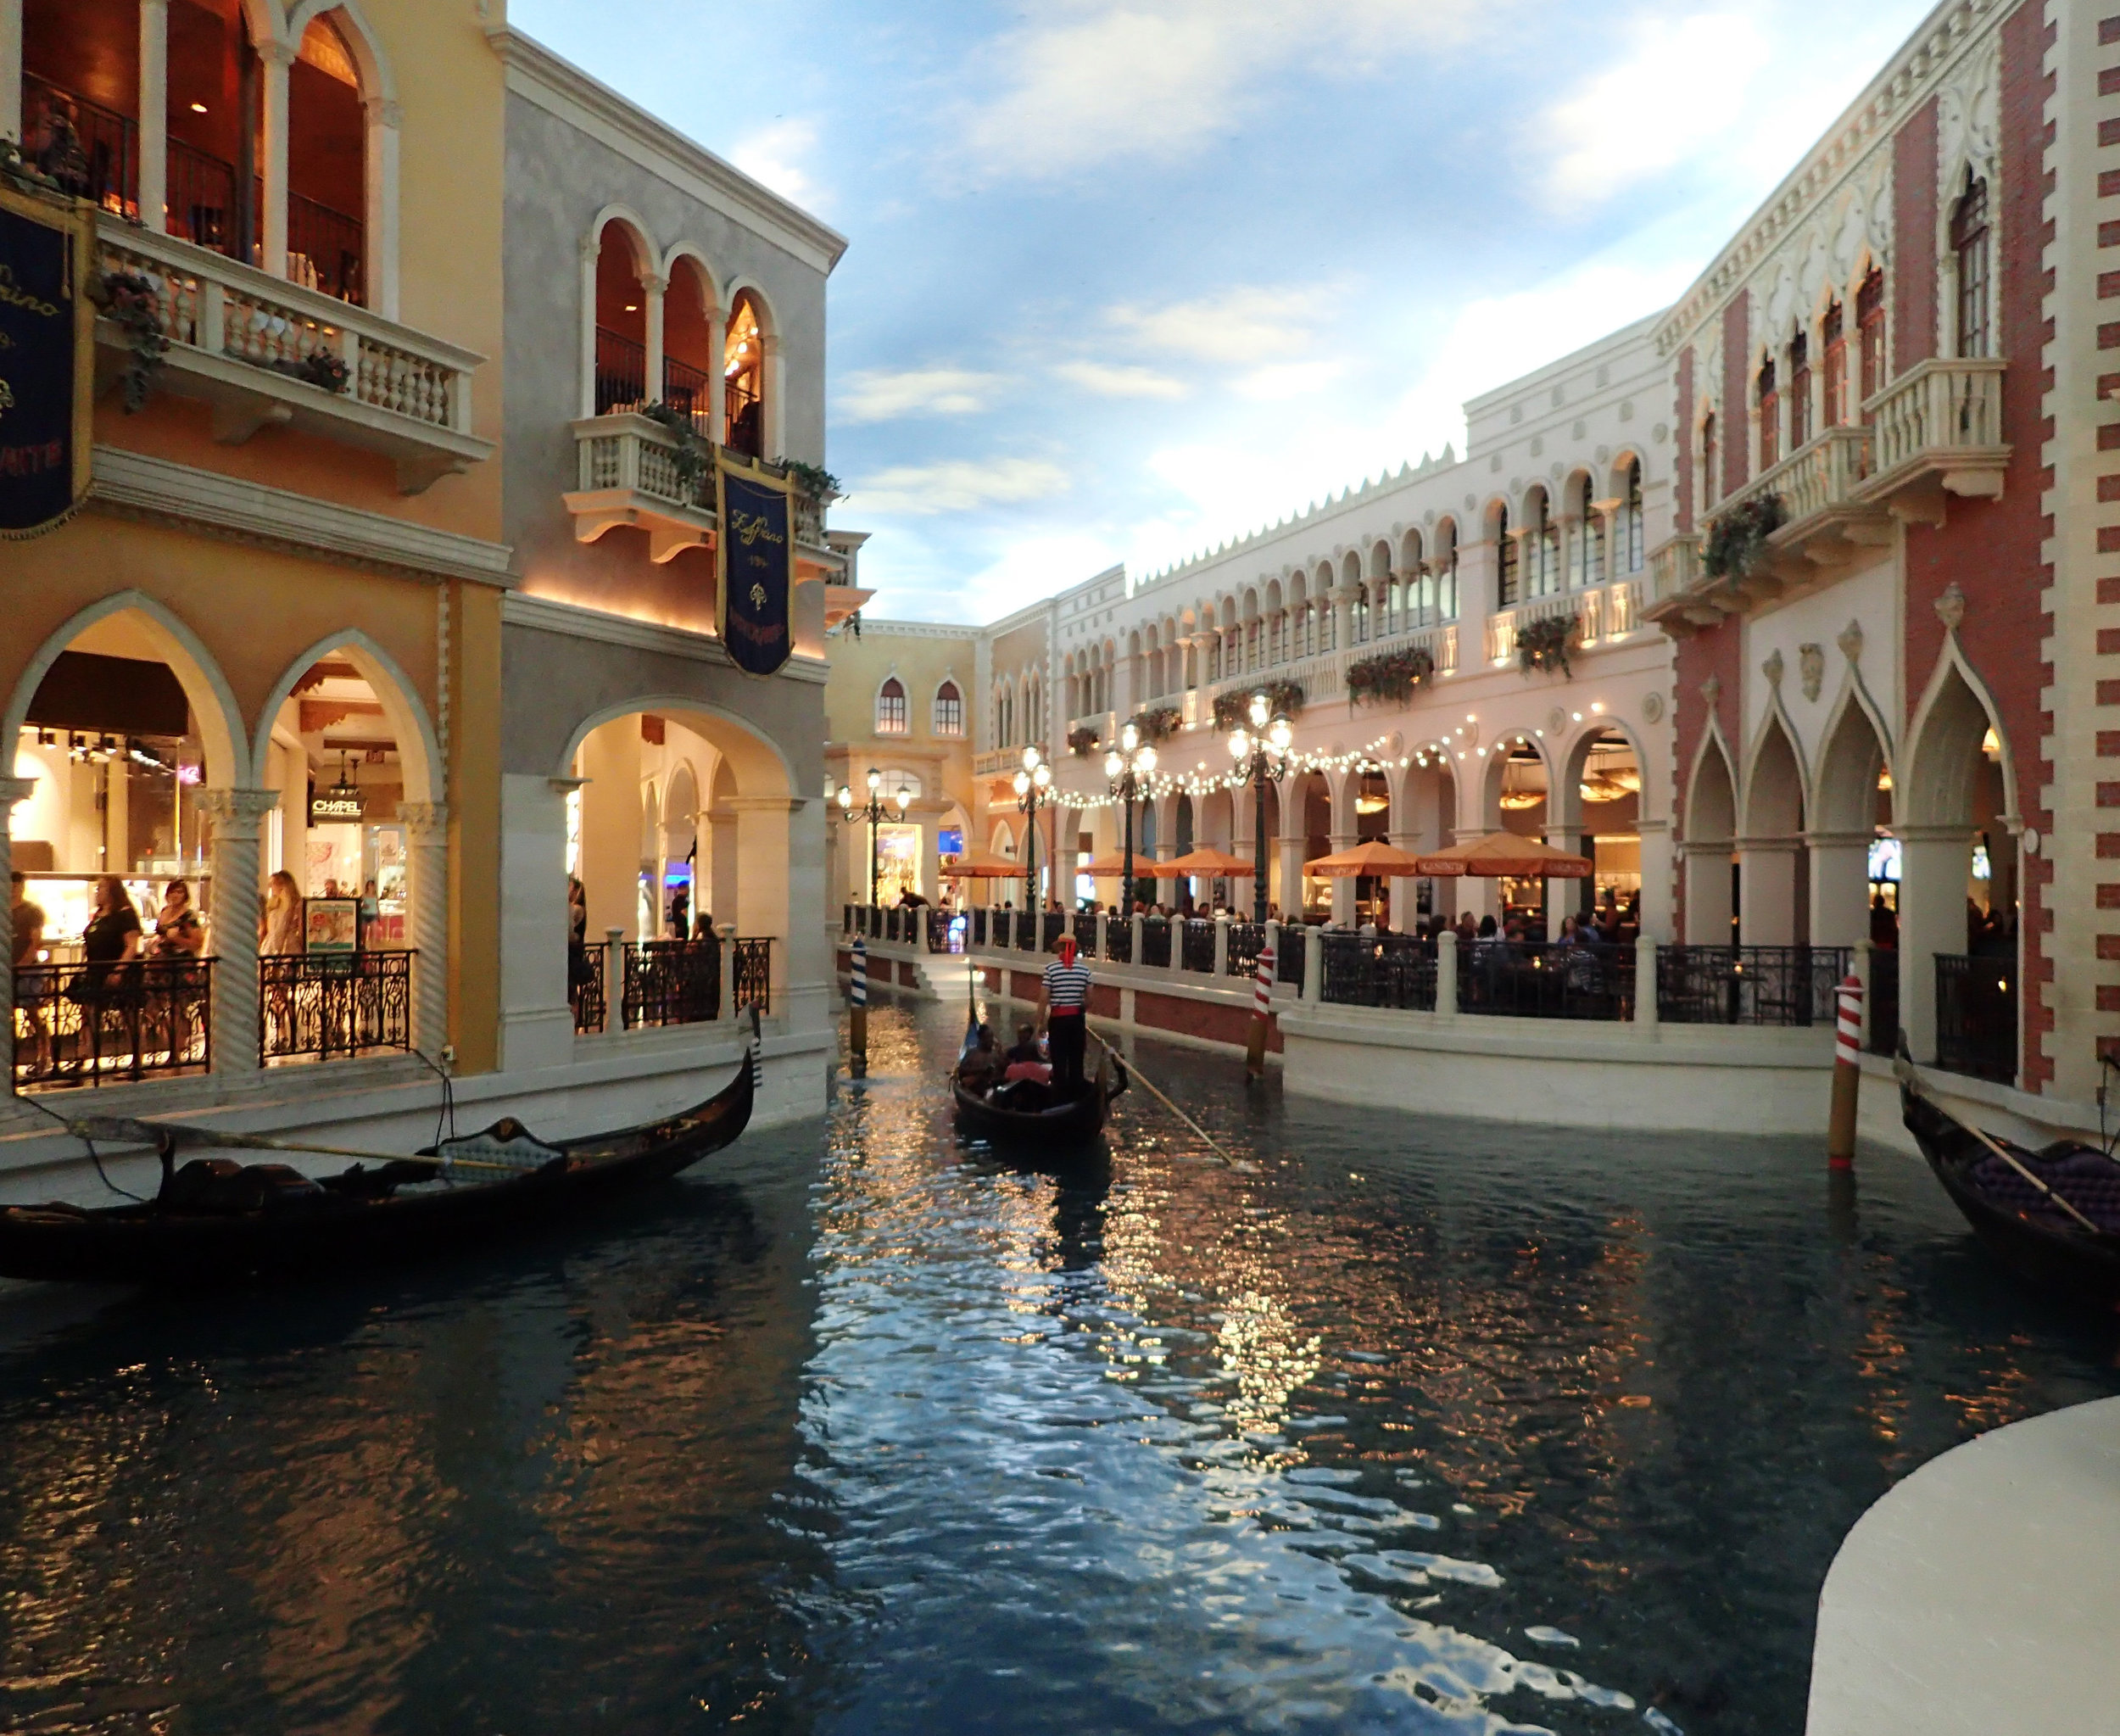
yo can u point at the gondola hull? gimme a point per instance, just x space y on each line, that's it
362 1217
1066 1129
2042 1244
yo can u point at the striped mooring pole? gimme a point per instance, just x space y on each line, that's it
1262 1012
857 1013
1847 1077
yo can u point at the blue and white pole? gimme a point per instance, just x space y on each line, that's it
857 1013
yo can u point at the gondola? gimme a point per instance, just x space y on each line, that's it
1070 1126
2052 1216
216 1222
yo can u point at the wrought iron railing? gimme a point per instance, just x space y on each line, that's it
1384 971
1155 943
585 991
1884 1000
1288 955
314 1006
95 1025
754 974
689 390
1118 939
1050 926
104 168
1976 1016
1086 934
980 923
672 982
1023 931
621 371
1778 985
1246 938
1545 979
325 248
945 931
1196 947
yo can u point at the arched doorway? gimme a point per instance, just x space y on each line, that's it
1598 815
1773 871
1516 789
744 377
1711 825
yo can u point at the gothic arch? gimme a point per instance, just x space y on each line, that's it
419 752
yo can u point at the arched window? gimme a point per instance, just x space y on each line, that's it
1770 417
1869 333
744 379
621 322
1446 570
1969 242
1546 577
1799 388
890 707
1707 455
326 148
1590 540
1631 537
1834 410
1359 615
1506 559
949 710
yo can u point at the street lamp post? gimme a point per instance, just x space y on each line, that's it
875 811
1261 754
1034 786
1126 766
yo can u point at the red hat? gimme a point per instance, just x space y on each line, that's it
1066 949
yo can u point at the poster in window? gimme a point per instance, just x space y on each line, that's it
48 345
331 925
754 564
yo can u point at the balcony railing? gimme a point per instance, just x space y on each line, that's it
621 371
1246 941
1155 943
253 347
1776 986
585 991
1673 567
1385 970
1545 979
1605 614
1976 1016
672 982
315 1006
753 985
105 166
95 1025
1939 425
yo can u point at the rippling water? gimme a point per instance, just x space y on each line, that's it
1395 1426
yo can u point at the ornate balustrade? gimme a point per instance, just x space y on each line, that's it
92 1025
315 1006
1937 430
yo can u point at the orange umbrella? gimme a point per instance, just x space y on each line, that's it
1507 856
1375 858
1206 861
1110 868
982 865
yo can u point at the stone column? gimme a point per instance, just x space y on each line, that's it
1103 933
1447 973
716 383
614 979
277 59
12 791
1646 1015
1313 964
1563 897
11 76
1657 908
586 405
155 114
233 921
1932 869
1292 854
1863 974
1221 947
1839 887
1708 912
725 1008
1134 957
426 836
1405 890
386 122
1766 892
652 290
1345 836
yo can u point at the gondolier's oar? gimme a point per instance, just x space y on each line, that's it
1134 1068
1903 1066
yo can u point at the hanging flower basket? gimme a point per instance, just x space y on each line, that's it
1737 539
1390 678
1543 646
693 455
1158 724
1082 742
1283 699
128 300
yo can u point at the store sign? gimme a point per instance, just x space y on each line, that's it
46 354
333 808
754 563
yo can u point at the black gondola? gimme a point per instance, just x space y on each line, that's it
217 1222
2052 1216
1071 1124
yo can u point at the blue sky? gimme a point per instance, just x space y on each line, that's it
1129 277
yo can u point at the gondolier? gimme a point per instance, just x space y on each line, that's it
1063 1007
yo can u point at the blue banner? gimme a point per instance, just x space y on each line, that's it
756 559
47 348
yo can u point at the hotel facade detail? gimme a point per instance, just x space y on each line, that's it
392 601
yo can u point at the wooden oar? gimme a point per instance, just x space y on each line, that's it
120 1127
1134 1068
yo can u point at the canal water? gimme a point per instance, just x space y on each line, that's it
1397 1425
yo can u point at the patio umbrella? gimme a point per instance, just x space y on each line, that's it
1375 857
1507 856
982 865
1111 866
1207 862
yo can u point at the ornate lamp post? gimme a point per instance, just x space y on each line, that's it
1261 753
875 811
1126 766
1034 786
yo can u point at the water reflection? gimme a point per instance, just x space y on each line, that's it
1391 1426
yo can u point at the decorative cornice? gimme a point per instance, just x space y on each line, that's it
542 615
156 490
563 89
1907 78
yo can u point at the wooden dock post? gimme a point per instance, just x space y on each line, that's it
857 1013
1847 1077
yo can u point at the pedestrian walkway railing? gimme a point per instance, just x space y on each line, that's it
1155 943
1546 979
1051 925
672 982
1118 939
1288 956
315 1006
1370 970
1775 986
1197 945
1246 941
1084 932
79 1024
1975 1016
754 974
585 991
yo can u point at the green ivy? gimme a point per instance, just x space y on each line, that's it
1390 678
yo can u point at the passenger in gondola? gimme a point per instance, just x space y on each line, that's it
981 1064
1026 1079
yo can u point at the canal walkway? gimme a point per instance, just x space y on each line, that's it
1401 1423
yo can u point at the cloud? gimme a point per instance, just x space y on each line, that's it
1242 324
1158 78
1682 86
769 155
882 394
1118 380
957 485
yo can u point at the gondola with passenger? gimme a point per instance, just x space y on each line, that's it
214 1221
1030 1111
2052 1216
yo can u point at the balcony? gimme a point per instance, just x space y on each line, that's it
1937 430
1602 617
629 474
261 351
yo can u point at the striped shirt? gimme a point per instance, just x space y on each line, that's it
1066 987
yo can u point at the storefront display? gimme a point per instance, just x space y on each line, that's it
69 904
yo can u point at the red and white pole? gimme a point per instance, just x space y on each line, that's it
1847 1077
1262 1012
